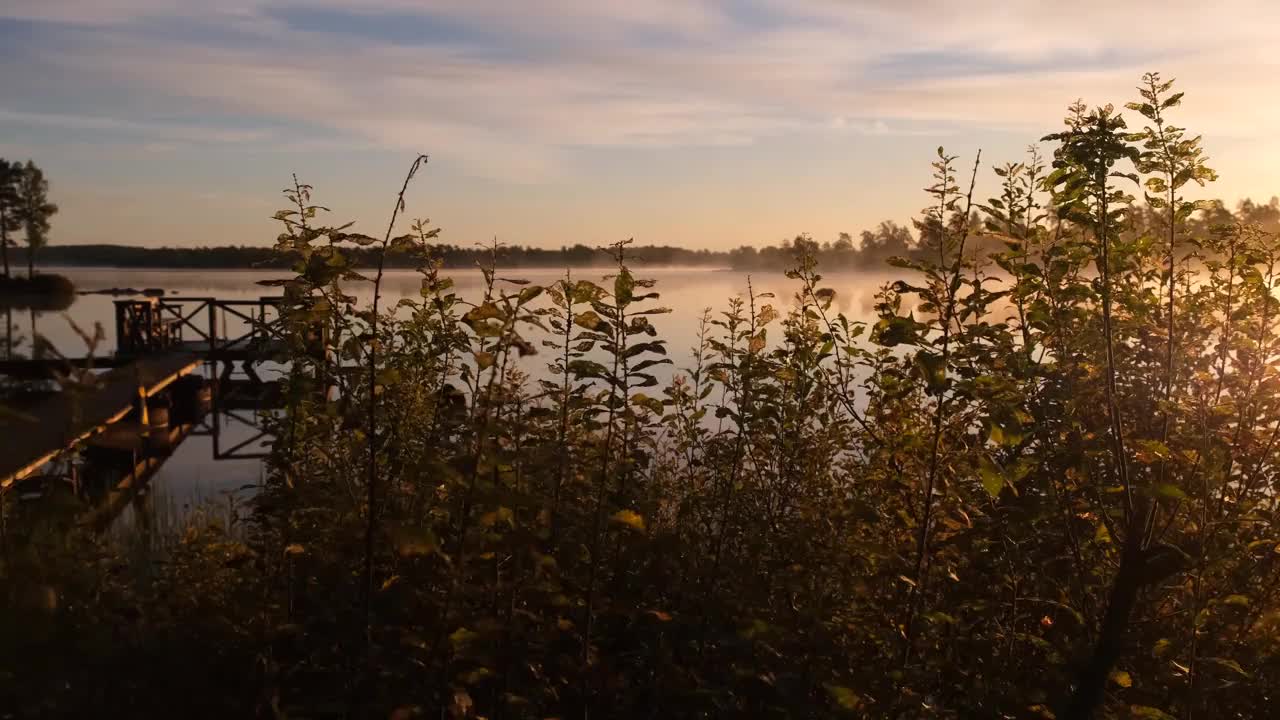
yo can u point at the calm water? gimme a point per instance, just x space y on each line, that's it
685 291
191 478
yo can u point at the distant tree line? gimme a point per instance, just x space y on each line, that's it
870 250
248 257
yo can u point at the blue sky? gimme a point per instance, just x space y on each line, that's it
559 121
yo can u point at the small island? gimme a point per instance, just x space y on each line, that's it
37 292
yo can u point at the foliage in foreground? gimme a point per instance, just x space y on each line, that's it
1046 490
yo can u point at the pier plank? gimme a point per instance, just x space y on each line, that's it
61 421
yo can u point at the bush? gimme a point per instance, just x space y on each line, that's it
1049 490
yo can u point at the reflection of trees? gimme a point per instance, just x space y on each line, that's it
13 338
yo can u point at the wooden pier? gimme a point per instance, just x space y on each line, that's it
38 434
158 341
219 331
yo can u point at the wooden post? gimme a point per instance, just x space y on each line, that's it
142 408
122 340
215 418
213 326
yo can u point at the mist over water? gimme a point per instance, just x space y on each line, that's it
686 291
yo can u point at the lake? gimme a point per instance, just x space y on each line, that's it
685 290
191 478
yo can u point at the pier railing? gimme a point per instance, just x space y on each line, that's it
141 328
215 328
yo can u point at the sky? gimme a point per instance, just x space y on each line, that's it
700 123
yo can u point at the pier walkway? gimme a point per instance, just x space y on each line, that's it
37 434
157 341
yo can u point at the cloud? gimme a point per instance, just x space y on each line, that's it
107 13
168 131
528 83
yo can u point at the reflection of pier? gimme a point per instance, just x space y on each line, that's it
240 400
65 419
118 463
125 422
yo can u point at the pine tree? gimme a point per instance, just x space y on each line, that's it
34 210
9 215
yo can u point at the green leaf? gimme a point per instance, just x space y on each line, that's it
1168 492
932 370
529 293
844 698
414 542
486 311
500 515
654 405
589 320
1147 712
767 315
623 286
656 347
1102 535
630 518
1229 664
584 291
992 475
588 369
1267 544
403 244
1148 452
1006 429
895 330
357 238
462 637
